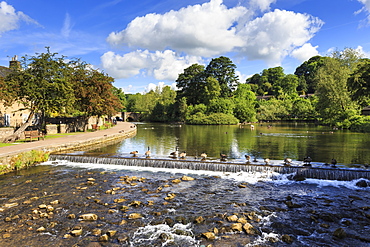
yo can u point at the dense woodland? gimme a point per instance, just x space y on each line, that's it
330 90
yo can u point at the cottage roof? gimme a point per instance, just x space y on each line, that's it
4 71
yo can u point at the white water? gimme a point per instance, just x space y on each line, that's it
252 178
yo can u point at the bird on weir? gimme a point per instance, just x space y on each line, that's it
183 155
134 153
147 153
333 162
175 154
248 158
203 155
267 161
287 161
307 161
223 157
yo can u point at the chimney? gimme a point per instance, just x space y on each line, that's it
14 63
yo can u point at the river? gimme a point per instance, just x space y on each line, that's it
143 206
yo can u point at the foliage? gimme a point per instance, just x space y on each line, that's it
213 118
221 105
360 123
334 102
27 159
223 70
272 109
245 102
359 83
191 84
306 73
93 91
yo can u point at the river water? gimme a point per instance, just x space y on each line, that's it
175 210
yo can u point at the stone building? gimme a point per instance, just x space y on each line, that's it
11 115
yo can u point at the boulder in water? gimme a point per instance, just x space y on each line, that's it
89 217
363 183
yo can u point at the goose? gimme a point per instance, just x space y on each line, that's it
255 159
287 161
223 157
248 158
333 162
147 153
134 153
267 161
175 154
203 155
307 161
183 155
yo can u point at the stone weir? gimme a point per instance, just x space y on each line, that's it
342 174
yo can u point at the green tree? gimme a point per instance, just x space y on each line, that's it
221 105
212 90
306 73
94 92
359 83
334 102
223 70
191 84
118 92
245 102
42 86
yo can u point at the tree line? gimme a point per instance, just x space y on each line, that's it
328 89
50 85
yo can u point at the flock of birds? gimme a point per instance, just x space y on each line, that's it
223 157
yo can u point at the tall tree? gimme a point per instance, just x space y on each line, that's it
334 102
245 102
191 84
42 86
223 70
306 73
359 83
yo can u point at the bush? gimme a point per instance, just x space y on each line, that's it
213 118
360 124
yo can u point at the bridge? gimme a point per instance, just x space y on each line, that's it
131 116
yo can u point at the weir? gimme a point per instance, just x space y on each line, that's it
342 174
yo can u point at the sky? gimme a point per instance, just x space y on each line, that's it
146 44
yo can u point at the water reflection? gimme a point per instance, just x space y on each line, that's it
274 141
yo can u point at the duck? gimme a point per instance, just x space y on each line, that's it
147 153
203 155
333 163
287 161
134 153
183 155
223 157
248 158
255 159
267 161
307 161
175 154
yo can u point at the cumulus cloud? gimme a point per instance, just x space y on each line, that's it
164 65
262 5
10 19
276 34
305 52
209 30
205 30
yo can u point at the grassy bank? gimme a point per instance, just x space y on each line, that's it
23 160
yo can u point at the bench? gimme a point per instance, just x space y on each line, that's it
33 134
94 127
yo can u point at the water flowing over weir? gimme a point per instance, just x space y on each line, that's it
341 174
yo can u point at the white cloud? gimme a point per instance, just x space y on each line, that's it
67 26
305 52
262 5
202 30
164 65
276 34
360 50
9 18
365 9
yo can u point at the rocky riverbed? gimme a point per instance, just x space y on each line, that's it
73 205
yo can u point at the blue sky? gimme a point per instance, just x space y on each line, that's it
147 43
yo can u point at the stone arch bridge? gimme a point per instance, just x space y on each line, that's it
131 116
